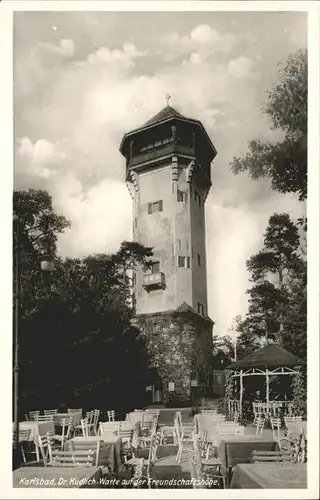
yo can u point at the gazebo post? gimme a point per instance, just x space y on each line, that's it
267 388
241 393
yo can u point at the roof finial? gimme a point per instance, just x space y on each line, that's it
168 97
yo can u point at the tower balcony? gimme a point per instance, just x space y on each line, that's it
154 281
160 152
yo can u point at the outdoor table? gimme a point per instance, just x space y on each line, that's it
270 475
134 417
233 450
58 417
110 449
56 477
36 428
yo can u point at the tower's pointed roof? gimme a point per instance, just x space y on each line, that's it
166 112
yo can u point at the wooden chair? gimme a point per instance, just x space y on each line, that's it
109 428
24 436
66 429
198 471
126 433
111 415
93 425
271 456
186 430
45 444
86 445
147 420
50 412
152 456
145 439
181 440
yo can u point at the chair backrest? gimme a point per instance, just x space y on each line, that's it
125 431
276 427
89 416
154 443
153 411
96 415
50 412
72 458
44 418
85 427
109 427
271 456
111 415
33 414
24 435
86 445
27 416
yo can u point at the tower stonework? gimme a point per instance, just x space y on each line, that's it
168 173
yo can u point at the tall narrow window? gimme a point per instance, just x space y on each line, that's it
197 198
155 268
182 196
183 261
199 259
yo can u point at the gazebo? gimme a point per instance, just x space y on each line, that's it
268 361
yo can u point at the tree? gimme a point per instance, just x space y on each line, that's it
284 162
277 297
77 344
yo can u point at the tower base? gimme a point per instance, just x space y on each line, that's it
180 347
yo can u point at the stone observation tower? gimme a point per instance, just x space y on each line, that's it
168 173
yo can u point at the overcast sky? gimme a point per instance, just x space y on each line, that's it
83 79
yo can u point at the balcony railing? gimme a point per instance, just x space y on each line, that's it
155 153
155 280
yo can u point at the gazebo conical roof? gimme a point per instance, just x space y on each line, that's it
269 356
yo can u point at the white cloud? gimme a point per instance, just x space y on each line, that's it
204 34
202 39
89 105
100 216
241 67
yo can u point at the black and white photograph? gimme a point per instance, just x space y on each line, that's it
160 237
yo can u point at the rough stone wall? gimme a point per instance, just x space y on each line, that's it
180 348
